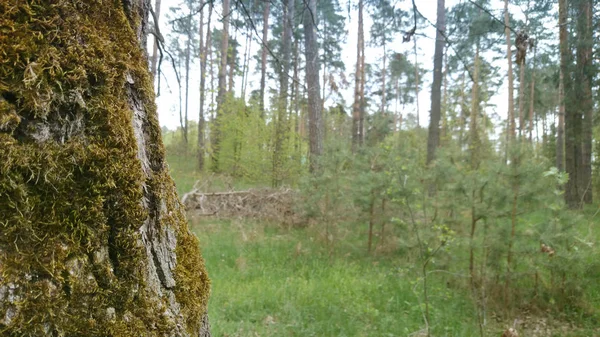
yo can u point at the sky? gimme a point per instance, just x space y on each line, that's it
168 102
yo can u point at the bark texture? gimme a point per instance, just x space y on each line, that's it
511 86
263 56
222 90
358 75
586 104
572 120
281 129
315 124
94 240
433 139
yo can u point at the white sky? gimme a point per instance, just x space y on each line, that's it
168 107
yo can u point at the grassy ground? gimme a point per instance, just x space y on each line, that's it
270 280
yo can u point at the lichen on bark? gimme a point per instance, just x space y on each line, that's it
93 240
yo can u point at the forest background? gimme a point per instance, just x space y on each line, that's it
484 219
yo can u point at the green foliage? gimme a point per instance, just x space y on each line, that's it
389 171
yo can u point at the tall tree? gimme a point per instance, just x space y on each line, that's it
315 122
281 128
511 101
222 89
263 56
382 33
572 125
560 128
584 79
433 139
97 242
204 50
359 74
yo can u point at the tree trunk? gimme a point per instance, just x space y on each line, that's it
97 243
358 100
188 51
522 99
383 78
474 135
511 101
222 90
572 146
585 73
532 96
417 78
462 119
560 130
315 125
433 139
204 49
444 113
154 59
281 122
263 57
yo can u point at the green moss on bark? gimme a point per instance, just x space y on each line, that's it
71 184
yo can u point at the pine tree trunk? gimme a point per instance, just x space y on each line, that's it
511 101
263 57
474 135
204 50
359 73
315 125
560 130
383 78
572 141
532 97
222 90
154 58
522 99
97 243
433 139
462 120
188 51
522 66
281 122
417 85
444 112
585 71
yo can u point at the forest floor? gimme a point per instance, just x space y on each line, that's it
270 279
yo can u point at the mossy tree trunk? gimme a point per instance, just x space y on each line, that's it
94 240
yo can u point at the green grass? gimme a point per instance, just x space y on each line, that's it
271 281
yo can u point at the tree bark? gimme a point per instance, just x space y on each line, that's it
532 96
474 135
560 130
188 52
96 241
281 122
511 101
433 139
204 49
417 88
572 125
584 72
263 57
358 99
315 125
222 90
522 99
